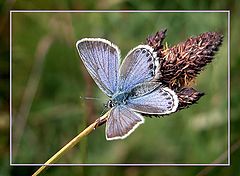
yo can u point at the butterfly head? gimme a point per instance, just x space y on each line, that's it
109 104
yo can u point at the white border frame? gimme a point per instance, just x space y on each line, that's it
121 11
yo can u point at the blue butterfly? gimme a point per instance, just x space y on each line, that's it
130 86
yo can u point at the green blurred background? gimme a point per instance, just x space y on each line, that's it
48 79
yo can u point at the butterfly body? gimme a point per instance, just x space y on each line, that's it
120 98
130 86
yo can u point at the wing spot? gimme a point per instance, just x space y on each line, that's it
170 103
152 73
137 51
150 66
165 94
149 59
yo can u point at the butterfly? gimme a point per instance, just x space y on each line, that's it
130 85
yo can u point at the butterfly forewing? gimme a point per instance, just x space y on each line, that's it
102 60
137 67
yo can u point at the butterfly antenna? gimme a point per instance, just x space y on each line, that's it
93 98
89 98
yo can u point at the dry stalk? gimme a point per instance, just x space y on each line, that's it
100 121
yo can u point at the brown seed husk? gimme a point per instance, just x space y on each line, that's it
181 63
188 96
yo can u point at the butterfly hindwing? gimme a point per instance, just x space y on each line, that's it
161 100
122 122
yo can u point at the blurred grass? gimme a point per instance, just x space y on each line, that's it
62 83
57 114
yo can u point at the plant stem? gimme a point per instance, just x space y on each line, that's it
72 143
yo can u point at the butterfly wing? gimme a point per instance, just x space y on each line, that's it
137 67
159 101
122 122
102 60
